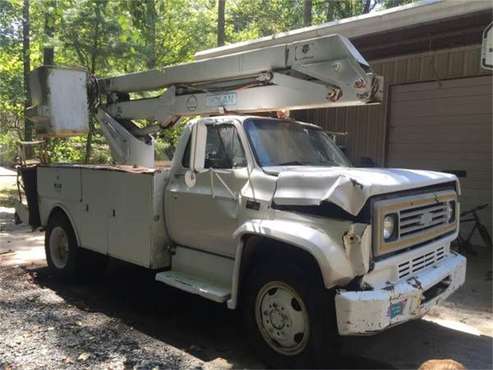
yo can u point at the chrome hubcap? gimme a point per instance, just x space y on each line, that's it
282 318
59 247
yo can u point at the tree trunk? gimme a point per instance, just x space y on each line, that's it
26 60
49 29
94 53
307 13
221 5
331 11
89 141
367 6
151 17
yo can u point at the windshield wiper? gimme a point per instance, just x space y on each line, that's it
291 163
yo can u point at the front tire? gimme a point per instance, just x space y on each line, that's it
61 247
290 317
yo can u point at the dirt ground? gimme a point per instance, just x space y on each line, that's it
127 320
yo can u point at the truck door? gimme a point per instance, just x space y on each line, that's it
204 216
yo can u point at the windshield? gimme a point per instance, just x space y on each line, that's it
289 143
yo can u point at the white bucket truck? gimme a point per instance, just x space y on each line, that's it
262 214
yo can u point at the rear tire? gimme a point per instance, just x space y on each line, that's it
62 252
290 317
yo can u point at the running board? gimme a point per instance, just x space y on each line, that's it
195 285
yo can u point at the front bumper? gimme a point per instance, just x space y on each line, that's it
371 311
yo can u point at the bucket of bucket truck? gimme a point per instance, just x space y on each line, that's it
59 101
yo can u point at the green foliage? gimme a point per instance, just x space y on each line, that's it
8 148
250 19
8 196
167 140
91 35
11 89
110 37
168 32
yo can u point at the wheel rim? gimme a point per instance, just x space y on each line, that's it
282 318
59 250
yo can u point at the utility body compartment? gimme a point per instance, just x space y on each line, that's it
115 210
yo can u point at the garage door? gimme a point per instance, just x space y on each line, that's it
446 126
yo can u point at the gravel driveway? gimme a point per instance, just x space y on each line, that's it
49 325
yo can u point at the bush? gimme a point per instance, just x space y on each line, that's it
8 148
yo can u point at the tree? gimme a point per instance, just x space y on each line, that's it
90 32
250 19
49 30
393 3
12 91
12 98
307 13
181 28
144 18
26 61
348 8
110 37
221 5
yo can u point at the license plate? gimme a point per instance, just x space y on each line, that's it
397 308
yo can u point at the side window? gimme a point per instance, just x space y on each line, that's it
223 148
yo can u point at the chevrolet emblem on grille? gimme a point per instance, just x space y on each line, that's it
426 219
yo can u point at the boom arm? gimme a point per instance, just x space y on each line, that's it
322 72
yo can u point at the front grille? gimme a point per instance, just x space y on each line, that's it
420 219
415 220
421 262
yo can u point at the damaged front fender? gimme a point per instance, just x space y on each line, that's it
357 244
335 266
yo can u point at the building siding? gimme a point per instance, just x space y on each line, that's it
367 125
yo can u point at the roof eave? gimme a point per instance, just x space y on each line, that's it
409 15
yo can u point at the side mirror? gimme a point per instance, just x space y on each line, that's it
198 143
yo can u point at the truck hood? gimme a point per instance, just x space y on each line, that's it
348 188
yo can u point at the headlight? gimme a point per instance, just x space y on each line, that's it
450 211
389 226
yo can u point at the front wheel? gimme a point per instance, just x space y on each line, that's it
290 318
61 247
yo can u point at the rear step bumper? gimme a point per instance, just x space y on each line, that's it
371 311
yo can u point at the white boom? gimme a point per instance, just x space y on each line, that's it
321 72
